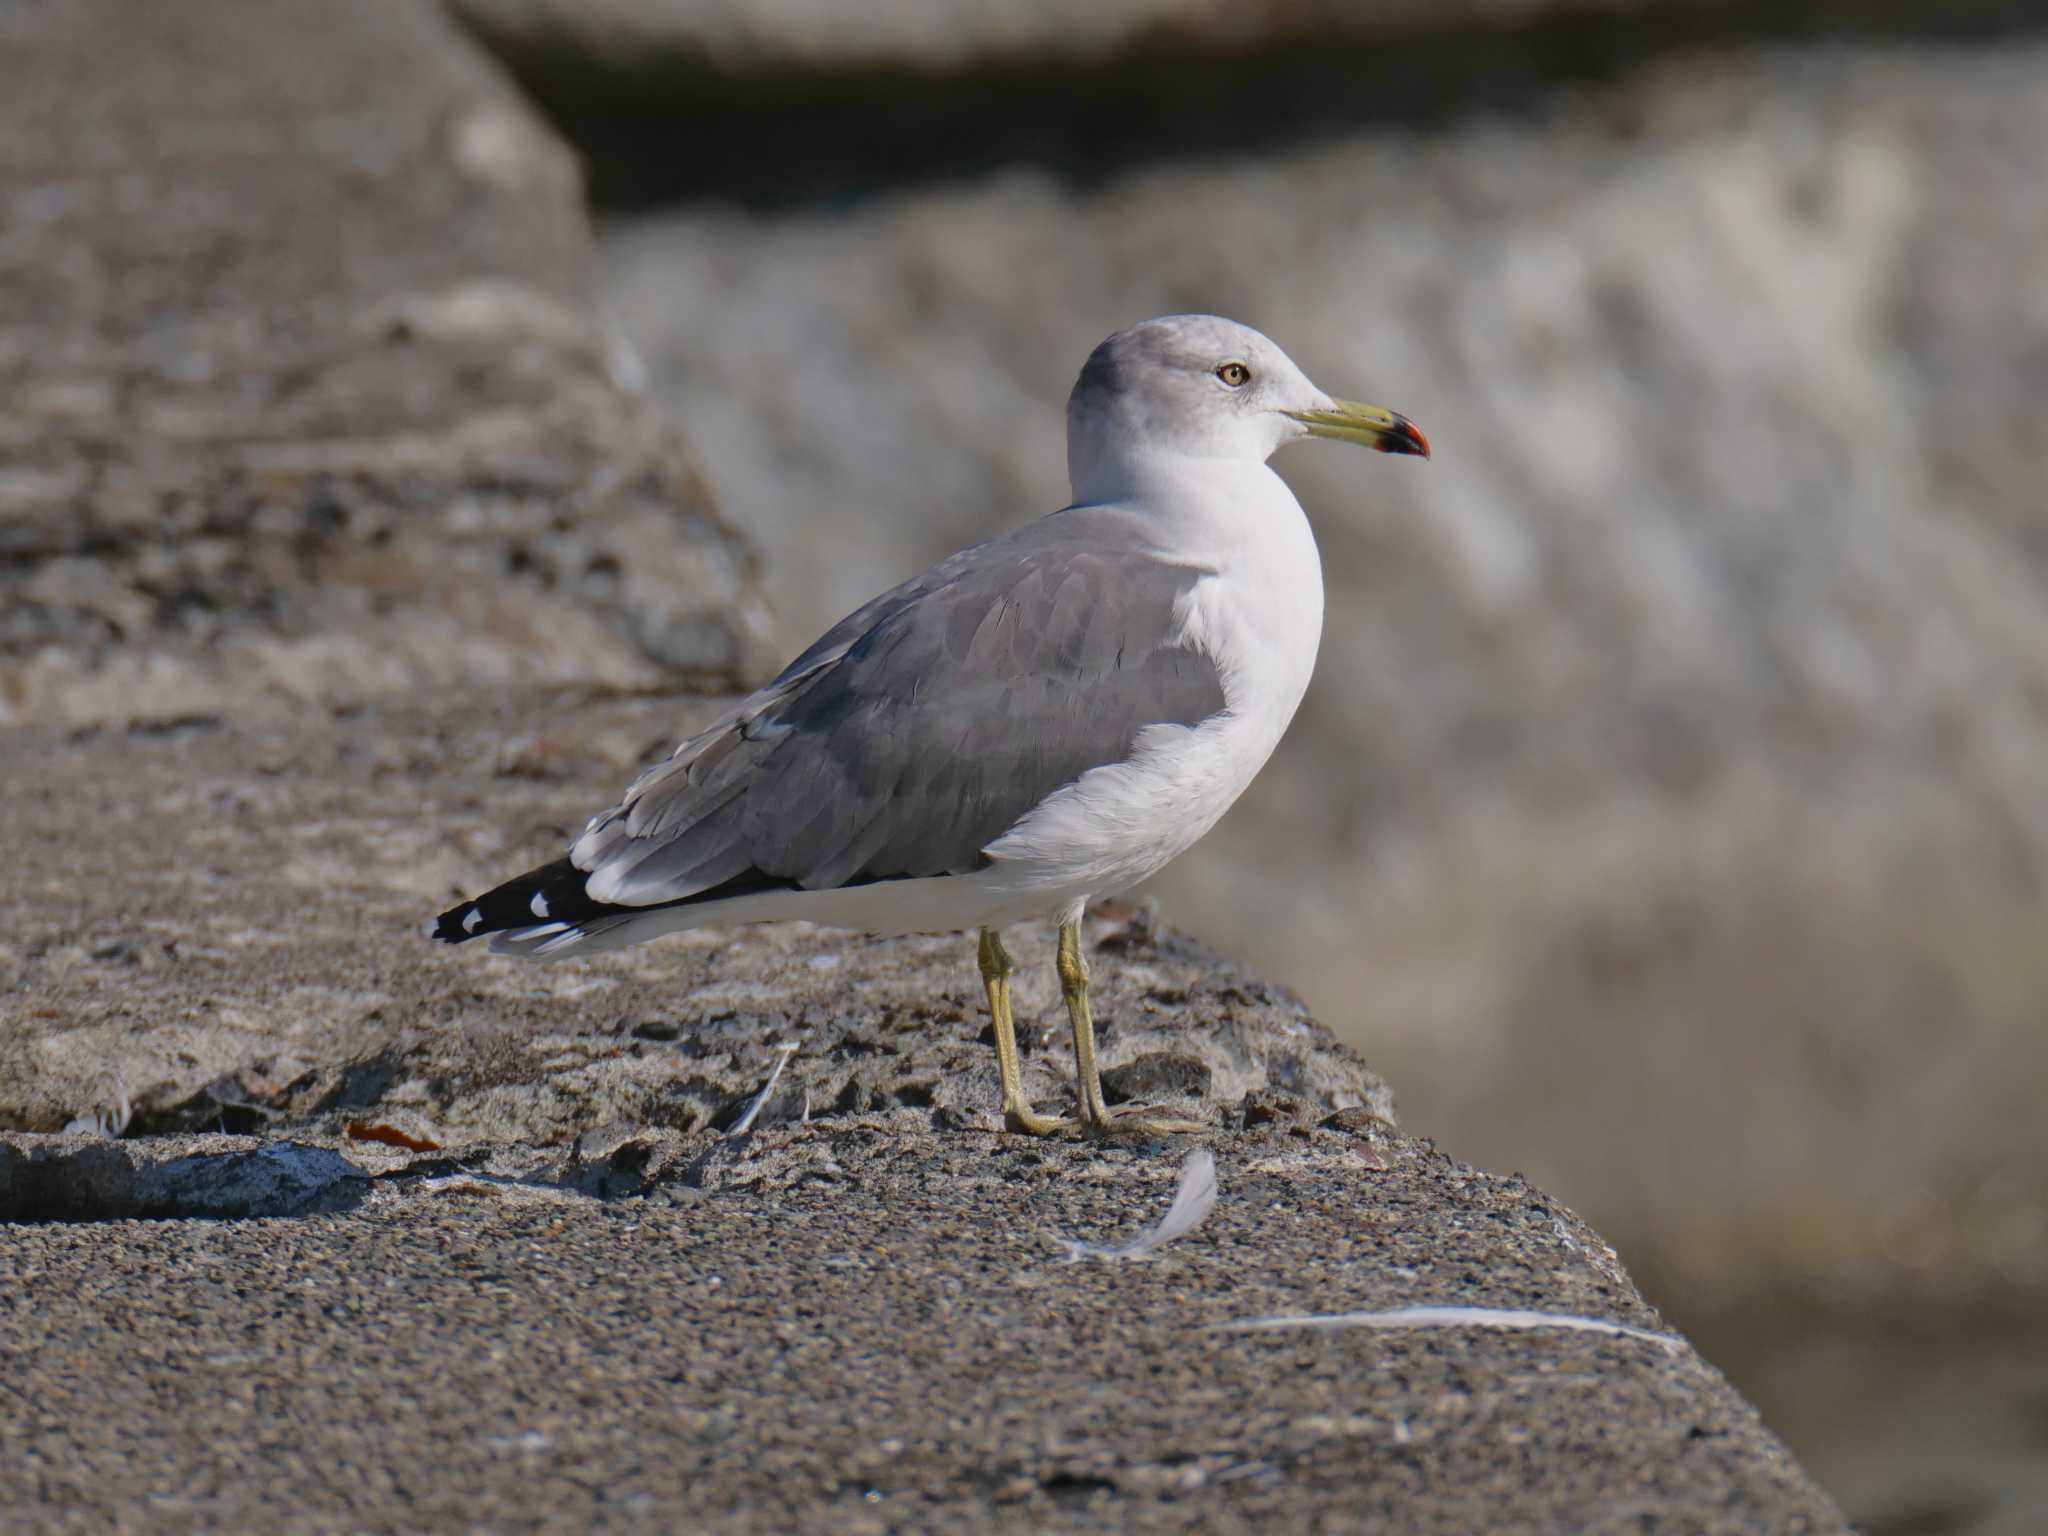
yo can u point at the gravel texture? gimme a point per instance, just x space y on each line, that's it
865 1326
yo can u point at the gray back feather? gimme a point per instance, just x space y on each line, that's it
923 727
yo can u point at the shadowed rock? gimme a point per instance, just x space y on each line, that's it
87 1178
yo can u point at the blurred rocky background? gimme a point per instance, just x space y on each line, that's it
1669 817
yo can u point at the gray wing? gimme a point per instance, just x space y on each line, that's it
920 729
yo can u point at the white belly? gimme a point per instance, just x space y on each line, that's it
1260 618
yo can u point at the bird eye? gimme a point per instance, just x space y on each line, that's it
1236 375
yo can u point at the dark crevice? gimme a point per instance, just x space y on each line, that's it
1069 1488
91 1181
663 123
222 1106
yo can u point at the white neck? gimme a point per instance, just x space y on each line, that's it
1262 615
1153 475
1214 512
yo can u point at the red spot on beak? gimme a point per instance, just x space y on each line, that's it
1405 438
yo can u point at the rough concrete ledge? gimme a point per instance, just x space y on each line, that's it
866 1326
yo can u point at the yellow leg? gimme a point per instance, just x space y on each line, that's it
1074 987
996 970
1130 1119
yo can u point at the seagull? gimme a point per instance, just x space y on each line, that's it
1053 715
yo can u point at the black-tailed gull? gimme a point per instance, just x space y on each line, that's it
1049 716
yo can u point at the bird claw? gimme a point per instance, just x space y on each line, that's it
1124 1120
1022 1121
1143 1120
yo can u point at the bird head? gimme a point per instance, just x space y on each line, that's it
1203 387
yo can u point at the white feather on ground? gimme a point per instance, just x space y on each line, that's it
1192 1203
746 1122
1449 1317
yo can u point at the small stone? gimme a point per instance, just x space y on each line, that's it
1157 1075
1357 1120
1267 1107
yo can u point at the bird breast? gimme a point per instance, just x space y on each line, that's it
1258 614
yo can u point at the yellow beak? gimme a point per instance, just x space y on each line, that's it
1373 425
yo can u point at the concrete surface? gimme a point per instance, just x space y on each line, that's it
408 1240
863 1326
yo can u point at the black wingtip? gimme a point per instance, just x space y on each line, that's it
448 926
558 893
553 892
